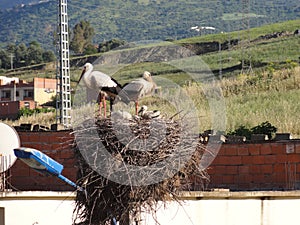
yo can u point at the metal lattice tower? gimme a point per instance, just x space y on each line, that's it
245 38
63 100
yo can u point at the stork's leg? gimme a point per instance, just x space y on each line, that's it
104 106
136 107
99 100
100 108
111 101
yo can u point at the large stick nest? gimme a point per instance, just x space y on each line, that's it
128 165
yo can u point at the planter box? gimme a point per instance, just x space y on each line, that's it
282 136
259 137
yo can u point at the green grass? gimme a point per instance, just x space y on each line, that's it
276 51
279 52
253 99
239 16
279 108
289 26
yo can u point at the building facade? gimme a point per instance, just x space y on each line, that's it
16 94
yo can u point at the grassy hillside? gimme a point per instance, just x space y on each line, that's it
269 93
137 20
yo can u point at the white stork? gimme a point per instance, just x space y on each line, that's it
145 114
139 88
107 86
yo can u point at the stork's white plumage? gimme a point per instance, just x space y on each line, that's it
121 115
145 114
107 86
139 88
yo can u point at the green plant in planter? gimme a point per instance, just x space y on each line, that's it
265 128
241 131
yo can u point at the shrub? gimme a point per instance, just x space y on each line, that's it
241 131
263 128
29 112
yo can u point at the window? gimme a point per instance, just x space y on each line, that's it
5 94
28 93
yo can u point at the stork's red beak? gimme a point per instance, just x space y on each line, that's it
141 110
83 71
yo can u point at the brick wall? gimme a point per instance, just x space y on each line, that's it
257 166
57 145
250 166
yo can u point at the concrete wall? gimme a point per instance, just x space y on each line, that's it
37 208
246 208
44 89
197 208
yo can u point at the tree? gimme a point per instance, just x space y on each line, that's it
82 37
5 59
20 55
90 49
109 45
48 56
23 56
11 48
34 54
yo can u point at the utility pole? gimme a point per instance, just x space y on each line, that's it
63 89
12 61
220 60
